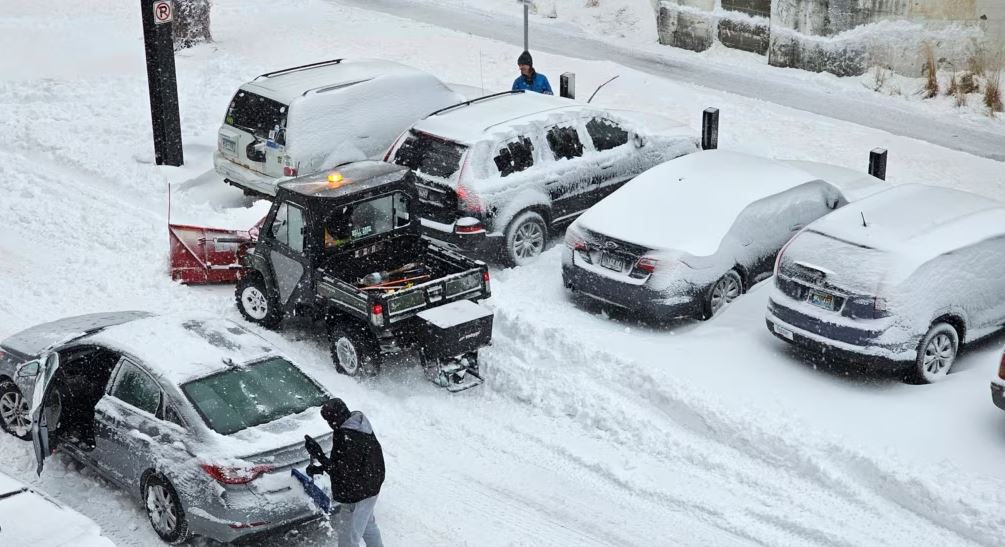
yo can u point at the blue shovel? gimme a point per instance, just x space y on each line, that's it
321 500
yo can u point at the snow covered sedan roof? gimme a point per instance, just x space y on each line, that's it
916 221
286 86
32 341
690 203
469 123
179 348
29 517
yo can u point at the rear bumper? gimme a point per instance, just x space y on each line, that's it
244 178
242 514
632 297
998 395
445 235
841 341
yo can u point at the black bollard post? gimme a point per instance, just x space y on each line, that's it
877 163
161 79
710 129
567 85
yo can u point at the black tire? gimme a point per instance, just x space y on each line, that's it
161 500
937 353
14 411
526 237
256 303
726 289
355 351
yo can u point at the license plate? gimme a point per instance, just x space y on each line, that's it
783 332
822 300
229 146
612 262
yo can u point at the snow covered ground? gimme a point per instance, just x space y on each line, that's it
591 429
746 74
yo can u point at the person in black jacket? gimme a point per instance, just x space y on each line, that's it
356 469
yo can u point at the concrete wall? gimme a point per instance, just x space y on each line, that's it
845 37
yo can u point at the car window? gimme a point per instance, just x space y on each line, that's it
255 114
429 155
515 156
564 142
243 397
171 415
365 219
288 227
606 134
136 388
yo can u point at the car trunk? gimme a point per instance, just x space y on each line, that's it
616 256
827 271
437 164
248 136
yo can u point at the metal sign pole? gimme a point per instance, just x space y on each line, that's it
162 81
526 26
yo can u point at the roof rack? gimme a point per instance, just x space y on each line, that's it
479 99
301 67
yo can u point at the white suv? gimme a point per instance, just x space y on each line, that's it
310 118
501 170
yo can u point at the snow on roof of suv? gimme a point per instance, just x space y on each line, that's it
916 221
468 123
286 85
693 200
182 348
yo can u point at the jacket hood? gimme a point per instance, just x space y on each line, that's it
358 422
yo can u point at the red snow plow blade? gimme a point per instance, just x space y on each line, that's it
207 255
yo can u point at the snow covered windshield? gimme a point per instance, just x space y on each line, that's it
255 114
429 155
244 397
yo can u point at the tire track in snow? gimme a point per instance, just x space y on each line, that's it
817 473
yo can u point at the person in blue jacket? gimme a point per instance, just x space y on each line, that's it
530 79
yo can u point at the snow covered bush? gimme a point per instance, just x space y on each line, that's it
191 23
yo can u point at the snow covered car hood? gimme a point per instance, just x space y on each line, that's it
28 517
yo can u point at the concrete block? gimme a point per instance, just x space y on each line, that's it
740 34
685 28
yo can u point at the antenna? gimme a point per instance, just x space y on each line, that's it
481 73
864 224
601 87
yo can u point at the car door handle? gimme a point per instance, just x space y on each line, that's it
607 165
796 227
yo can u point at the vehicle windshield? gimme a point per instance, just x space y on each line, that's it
255 114
429 155
243 397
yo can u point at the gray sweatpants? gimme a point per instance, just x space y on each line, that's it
354 521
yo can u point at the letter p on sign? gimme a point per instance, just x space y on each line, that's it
163 11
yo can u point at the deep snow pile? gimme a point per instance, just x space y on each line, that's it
589 431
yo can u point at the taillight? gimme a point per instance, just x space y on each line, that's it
289 171
468 225
778 257
468 201
387 155
1001 367
575 240
647 264
227 474
486 280
377 314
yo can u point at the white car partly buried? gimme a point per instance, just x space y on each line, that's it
689 236
902 279
29 517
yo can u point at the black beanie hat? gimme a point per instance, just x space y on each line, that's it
335 412
525 59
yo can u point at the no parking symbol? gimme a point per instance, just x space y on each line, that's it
163 11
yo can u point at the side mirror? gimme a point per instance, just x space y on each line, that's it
28 370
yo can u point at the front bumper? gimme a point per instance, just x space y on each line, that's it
244 178
634 297
841 341
998 395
